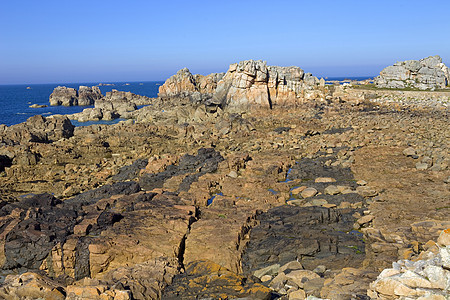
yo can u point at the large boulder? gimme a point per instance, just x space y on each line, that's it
88 95
425 74
64 96
253 82
71 97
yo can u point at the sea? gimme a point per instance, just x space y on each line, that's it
16 99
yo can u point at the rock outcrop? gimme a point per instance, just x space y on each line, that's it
184 84
88 95
37 129
425 74
425 278
245 83
64 96
115 104
71 97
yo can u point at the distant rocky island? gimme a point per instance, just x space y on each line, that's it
263 182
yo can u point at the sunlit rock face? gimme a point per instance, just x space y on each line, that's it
425 74
245 83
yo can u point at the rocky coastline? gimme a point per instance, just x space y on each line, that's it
259 183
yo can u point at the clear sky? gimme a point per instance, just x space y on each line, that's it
62 41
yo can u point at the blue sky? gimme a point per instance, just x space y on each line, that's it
99 41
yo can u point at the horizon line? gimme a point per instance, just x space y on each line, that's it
142 81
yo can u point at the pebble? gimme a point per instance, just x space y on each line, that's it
233 174
318 202
366 191
324 179
421 166
297 295
409 151
332 190
309 192
366 219
298 190
270 270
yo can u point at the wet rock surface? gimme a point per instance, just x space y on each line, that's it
206 161
312 236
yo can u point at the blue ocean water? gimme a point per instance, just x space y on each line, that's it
16 99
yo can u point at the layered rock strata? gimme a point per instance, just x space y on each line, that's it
425 74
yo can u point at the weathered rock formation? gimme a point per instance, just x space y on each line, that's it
184 84
71 97
425 74
424 278
37 129
314 200
115 104
88 95
245 83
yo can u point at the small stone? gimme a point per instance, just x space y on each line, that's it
318 202
421 166
444 238
331 190
309 192
301 276
266 278
292 265
320 269
279 281
270 270
345 204
298 190
297 295
233 174
366 191
296 202
324 180
409 151
329 151
366 219
361 182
